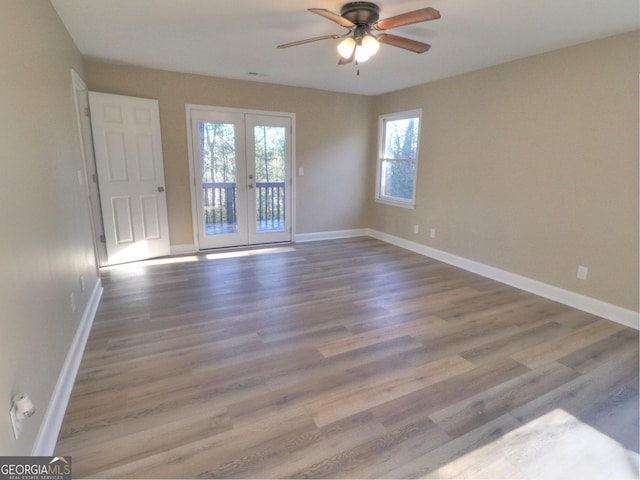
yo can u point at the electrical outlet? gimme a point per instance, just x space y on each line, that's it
416 228
432 233
582 272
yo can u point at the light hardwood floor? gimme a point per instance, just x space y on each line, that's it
350 359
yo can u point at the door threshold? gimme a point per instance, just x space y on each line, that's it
243 247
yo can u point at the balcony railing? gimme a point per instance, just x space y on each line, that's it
270 205
220 206
219 203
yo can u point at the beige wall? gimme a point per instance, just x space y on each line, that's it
331 143
532 167
46 239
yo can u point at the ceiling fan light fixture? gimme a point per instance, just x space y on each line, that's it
361 54
364 47
370 45
346 46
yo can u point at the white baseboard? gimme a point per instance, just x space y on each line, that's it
332 235
52 421
184 249
602 309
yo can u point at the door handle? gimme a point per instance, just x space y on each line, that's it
251 185
161 189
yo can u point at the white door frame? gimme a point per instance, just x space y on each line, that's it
83 119
189 108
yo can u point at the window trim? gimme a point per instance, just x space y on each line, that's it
382 120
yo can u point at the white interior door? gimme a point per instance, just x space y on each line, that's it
241 171
128 150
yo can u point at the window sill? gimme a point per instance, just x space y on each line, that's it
396 203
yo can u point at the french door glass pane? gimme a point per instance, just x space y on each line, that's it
270 185
218 163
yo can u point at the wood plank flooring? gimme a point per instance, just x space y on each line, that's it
346 359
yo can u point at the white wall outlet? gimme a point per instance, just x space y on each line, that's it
21 408
582 272
80 177
16 422
72 298
82 287
432 233
300 172
416 228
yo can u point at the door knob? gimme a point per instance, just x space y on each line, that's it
251 185
250 177
161 189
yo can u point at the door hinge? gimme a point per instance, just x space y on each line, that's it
87 112
103 239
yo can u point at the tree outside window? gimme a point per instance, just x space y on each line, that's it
398 158
218 152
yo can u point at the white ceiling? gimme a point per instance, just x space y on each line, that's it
230 38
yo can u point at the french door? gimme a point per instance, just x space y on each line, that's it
241 169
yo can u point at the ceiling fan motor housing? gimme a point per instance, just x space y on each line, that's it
361 13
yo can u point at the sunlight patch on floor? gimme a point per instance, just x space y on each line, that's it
248 253
201 257
554 446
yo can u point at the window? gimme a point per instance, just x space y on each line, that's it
398 137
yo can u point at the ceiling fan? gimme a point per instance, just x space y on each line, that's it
363 40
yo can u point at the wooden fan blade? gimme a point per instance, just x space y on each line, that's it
308 40
417 16
402 42
334 17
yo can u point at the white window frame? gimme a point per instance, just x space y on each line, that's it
382 121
